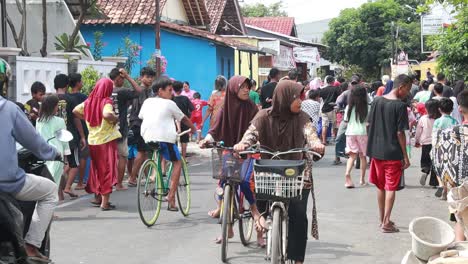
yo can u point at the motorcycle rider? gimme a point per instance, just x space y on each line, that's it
26 187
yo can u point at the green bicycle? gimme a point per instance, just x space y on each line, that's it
153 184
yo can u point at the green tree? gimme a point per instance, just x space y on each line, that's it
262 10
452 45
363 36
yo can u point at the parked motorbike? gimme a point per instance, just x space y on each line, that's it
12 249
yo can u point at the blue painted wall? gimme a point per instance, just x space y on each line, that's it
191 59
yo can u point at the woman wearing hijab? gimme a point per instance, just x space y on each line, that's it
280 128
101 120
388 87
231 123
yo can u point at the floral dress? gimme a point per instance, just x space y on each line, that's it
215 104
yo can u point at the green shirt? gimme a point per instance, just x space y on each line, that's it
444 122
422 96
254 97
355 126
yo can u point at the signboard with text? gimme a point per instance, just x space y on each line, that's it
306 55
285 59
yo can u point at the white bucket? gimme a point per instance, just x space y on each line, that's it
430 236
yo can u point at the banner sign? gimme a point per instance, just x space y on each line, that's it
306 55
285 59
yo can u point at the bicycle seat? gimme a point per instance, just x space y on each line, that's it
288 168
153 145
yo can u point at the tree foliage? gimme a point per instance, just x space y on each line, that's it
363 36
262 10
452 45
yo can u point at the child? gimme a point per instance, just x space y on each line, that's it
446 120
184 104
32 106
423 139
47 124
356 133
158 115
197 114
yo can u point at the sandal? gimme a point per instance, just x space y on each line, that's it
80 187
71 194
172 208
349 186
108 208
132 184
38 259
390 229
337 162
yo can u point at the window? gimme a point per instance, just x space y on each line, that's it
229 69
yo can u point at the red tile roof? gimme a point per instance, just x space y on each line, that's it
215 10
283 25
210 36
143 12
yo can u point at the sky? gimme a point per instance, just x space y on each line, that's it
312 10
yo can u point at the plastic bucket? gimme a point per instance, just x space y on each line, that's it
430 236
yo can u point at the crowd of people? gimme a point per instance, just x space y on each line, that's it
116 123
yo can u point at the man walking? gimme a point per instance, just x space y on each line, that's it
329 95
388 120
122 99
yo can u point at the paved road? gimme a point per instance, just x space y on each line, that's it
348 225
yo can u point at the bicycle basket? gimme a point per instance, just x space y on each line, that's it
279 179
225 165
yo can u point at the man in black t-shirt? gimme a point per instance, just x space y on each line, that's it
388 120
266 92
147 75
78 146
122 98
184 104
329 95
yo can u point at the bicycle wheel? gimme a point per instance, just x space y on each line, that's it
183 190
149 193
246 221
226 221
276 237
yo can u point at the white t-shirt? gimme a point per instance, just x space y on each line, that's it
158 117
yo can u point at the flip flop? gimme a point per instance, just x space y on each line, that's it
72 195
349 186
38 260
172 209
132 184
390 229
108 208
80 188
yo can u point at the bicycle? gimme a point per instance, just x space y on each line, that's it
278 181
227 169
153 184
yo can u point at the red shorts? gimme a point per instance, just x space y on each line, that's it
197 120
385 174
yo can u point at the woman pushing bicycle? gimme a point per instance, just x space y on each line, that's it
280 128
231 123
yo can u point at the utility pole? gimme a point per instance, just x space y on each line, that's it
4 26
393 44
157 34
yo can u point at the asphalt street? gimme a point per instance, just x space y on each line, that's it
348 224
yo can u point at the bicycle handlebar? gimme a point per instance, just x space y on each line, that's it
280 153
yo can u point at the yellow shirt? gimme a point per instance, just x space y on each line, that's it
102 134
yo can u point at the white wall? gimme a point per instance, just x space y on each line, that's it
59 20
29 70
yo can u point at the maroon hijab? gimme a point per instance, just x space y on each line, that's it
280 129
97 99
235 116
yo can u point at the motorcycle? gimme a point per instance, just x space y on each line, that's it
12 245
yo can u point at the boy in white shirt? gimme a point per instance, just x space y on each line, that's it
159 115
